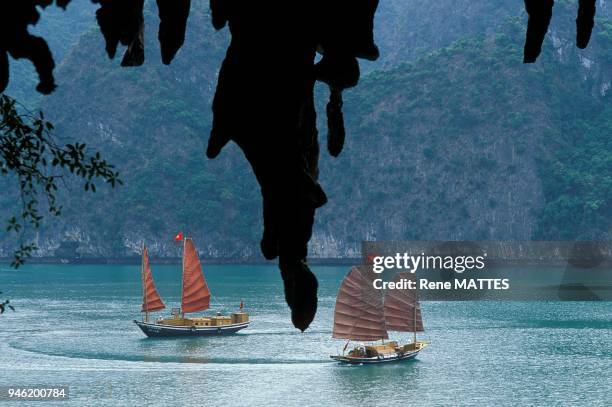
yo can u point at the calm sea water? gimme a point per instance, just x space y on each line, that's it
73 326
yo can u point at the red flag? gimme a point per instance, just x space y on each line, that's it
178 237
241 305
370 258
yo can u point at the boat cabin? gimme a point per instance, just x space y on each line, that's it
382 349
219 320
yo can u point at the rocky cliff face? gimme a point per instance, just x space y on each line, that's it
452 138
462 144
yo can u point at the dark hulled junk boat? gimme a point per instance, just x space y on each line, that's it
362 315
195 297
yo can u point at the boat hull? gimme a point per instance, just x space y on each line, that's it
158 330
396 357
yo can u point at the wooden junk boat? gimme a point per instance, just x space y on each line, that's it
361 315
195 297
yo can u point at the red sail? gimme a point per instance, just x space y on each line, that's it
359 309
151 300
402 307
196 295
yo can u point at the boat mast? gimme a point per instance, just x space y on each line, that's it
415 317
182 274
144 287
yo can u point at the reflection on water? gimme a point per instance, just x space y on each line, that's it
367 385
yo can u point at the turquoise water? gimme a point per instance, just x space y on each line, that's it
73 326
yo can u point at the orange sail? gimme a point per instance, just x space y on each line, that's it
402 307
196 295
151 300
359 309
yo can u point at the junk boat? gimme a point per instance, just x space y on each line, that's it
361 315
195 297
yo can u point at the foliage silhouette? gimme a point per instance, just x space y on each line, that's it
29 152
